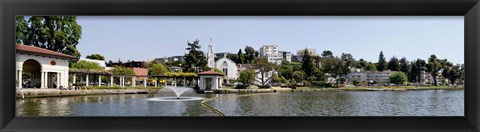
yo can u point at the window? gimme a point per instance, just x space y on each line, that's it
225 67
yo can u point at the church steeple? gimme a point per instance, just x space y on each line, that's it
210 55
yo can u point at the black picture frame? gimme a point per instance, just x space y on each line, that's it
470 9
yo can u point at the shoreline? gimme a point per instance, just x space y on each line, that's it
283 90
40 93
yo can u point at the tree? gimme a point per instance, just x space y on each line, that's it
158 69
176 63
342 80
462 73
109 63
240 57
334 67
195 60
319 75
307 65
147 64
382 63
298 76
233 57
285 70
202 62
71 50
276 79
293 82
417 67
394 64
219 71
433 67
404 66
249 54
87 65
317 60
452 73
398 78
296 66
246 77
123 71
283 80
96 57
362 64
355 82
21 29
57 33
264 69
327 53
371 67
348 62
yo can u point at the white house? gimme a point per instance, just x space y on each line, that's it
209 80
41 68
228 67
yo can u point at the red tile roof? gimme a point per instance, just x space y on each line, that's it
20 48
140 71
209 73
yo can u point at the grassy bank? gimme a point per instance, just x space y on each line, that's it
119 87
406 87
33 93
348 88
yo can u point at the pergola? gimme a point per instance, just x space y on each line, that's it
175 75
99 74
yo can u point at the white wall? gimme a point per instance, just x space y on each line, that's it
60 67
215 82
232 67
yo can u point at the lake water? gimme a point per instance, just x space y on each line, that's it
373 103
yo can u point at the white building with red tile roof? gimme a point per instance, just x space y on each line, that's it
41 68
209 80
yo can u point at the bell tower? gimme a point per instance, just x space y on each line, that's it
210 55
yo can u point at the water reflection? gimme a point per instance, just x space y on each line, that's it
393 103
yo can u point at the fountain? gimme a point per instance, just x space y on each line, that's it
179 90
178 93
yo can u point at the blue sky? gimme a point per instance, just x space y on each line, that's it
149 37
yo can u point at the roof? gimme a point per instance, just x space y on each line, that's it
20 48
209 73
271 45
223 53
140 71
225 58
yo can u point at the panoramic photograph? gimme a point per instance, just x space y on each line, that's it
239 66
